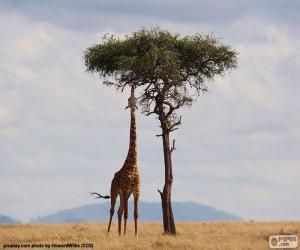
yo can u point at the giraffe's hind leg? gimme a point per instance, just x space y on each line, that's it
114 196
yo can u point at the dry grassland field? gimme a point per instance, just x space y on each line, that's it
204 235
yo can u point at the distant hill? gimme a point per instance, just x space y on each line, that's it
8 220
183 211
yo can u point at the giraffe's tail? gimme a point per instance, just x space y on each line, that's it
100 196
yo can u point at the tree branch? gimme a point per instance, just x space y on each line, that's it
150 113
173 146
160 192
172 128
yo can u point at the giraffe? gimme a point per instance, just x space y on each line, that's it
127 180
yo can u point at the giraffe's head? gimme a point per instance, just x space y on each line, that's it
132 101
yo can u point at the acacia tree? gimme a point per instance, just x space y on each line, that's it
170 71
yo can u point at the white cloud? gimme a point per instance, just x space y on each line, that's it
62 130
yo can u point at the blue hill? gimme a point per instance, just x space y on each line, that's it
183 211
8 220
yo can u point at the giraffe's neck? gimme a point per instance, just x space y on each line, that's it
131 159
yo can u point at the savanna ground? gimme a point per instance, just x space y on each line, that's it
204 235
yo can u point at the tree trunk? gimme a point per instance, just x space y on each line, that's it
168 219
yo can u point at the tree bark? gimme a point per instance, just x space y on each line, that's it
168 218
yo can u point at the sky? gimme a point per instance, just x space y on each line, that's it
64 134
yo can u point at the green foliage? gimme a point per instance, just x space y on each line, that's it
170 69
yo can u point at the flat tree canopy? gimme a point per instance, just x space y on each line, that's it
158 59
170 71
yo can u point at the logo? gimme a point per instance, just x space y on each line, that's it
283 241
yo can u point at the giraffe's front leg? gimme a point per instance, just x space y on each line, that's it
120 212
136 212
125 213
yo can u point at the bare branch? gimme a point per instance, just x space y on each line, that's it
172 128
160 192
150 113
172 109
173 146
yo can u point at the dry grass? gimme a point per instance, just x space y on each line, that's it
216 235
